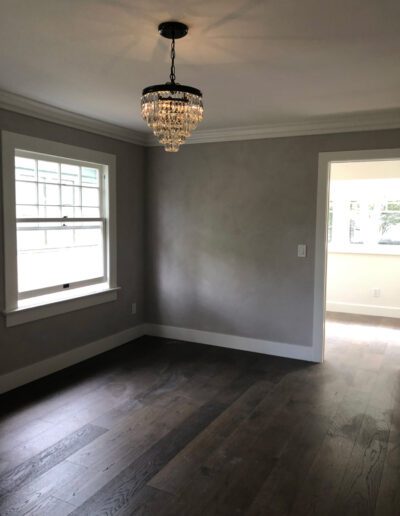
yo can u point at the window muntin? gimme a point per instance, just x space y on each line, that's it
60 224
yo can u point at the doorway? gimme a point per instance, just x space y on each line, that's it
357 267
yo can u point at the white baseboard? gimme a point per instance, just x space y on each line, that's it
51 365
360 309
266 347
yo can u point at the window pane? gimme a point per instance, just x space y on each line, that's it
355 224
91 212
90 197
67 211
25 169
330 221
87 236
28 240
67 195
60 237
49 194
389 227
51 254
25 193
48 171
393 206
23 212
49 211
53 211
70 174
77 196
90 176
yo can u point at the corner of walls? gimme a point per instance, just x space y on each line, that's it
51 365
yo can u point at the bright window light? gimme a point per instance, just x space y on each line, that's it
60 222
364 216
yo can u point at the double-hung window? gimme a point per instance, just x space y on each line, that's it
59 227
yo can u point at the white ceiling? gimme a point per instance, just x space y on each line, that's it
256 61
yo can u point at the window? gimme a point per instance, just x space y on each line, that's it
355 223
389 228
59 224
364 216
330 221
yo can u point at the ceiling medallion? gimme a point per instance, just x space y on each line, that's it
172 110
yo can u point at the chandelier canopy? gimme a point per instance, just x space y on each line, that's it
172 110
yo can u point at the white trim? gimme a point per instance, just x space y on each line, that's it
383 250
109 202
107 164
266 347
30 107
25 314
362 309
51 365
57 149
350 122
9 222
324 164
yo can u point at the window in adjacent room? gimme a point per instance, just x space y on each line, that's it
364 216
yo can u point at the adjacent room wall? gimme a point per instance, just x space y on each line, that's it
32 342
353 278
223 221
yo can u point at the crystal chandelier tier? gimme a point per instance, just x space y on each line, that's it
172 110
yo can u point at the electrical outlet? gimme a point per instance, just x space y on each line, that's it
376 292
133 308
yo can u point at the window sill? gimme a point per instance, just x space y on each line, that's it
386 250
55 304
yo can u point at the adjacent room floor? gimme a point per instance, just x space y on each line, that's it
168 428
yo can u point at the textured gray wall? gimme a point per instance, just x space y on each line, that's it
223 221
222 225
32 342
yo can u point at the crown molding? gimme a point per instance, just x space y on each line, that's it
349 122
19 104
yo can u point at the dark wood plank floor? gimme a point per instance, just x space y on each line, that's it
166 428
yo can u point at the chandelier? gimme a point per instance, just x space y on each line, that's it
172 110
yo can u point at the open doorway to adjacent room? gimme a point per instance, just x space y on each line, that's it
358 251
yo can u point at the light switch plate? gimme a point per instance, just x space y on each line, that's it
302 250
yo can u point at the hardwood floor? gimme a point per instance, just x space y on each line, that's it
170 429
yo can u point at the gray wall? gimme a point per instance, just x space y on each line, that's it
32 342
223 221
218 241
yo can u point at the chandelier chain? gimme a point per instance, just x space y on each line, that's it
172 74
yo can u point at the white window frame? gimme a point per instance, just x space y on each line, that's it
18 311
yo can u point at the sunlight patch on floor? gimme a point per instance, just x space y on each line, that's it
357 333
